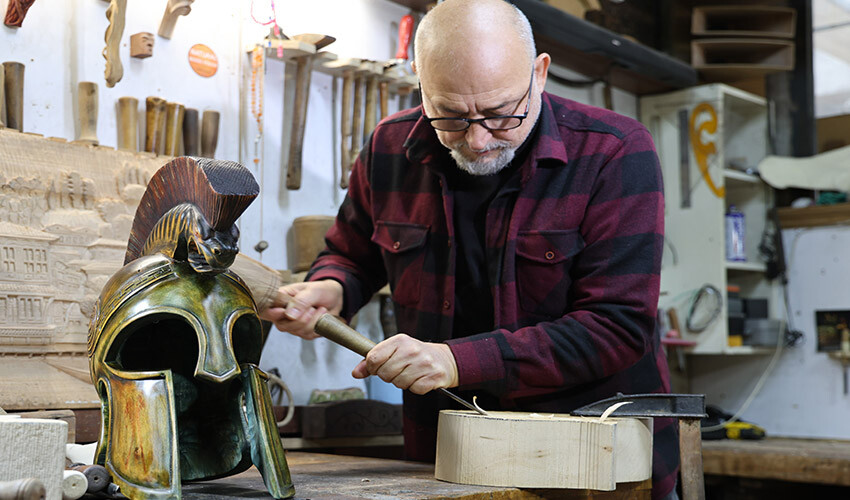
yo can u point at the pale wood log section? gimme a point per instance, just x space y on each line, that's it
155 125
13 87
173 127
128 123
114 69
542 451
788 459
87 112
209 133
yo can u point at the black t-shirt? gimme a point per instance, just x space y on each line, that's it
472 197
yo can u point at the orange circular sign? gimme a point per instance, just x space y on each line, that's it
203 60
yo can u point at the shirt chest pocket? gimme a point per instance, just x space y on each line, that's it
403 251
544 260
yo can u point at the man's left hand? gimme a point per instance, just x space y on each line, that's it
410 364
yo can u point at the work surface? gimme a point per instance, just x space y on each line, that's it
320 476
788 459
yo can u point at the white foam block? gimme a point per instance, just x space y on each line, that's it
31 447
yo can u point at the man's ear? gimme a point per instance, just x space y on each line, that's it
541 69
413 66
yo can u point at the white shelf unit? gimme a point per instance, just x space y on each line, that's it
694 250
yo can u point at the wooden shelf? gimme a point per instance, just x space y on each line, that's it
744 20
736 175
596 52
756 267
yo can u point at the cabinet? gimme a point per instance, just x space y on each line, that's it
706 138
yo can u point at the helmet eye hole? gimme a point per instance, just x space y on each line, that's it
154 343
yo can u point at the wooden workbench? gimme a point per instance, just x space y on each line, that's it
332 477
787 459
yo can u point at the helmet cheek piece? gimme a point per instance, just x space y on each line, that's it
173 355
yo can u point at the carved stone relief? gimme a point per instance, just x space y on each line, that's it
65 215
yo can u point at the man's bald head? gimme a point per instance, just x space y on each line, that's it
462 34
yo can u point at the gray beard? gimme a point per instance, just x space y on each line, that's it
485 166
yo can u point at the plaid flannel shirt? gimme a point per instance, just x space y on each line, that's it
573 254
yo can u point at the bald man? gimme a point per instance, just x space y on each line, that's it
521 235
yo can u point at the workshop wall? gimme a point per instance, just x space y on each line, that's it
804 395
61 44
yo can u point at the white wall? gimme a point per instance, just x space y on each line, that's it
804 395
61 44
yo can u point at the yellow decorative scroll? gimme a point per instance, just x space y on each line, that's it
702 150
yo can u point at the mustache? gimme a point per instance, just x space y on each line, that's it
461 145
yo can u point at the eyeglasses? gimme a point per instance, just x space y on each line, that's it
505 122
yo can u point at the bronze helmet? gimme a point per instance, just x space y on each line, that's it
175 342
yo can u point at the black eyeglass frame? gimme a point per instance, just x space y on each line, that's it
483 121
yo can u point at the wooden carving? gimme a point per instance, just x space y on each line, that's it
16 11
141 45
87 112
115 13
65 216
173 9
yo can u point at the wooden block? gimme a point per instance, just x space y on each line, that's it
141 45
36 447
357 417
541 451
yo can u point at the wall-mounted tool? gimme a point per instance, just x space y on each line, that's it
374 71
299 113
115 13
345 68
173 9
128 124
16 11
87 113
13 87
141 45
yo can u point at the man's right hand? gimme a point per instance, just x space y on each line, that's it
299 305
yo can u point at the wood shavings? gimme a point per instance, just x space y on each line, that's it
611 409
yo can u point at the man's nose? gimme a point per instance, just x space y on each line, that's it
477 136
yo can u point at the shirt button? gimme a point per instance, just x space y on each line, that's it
450 242
396 245
446 304
550 255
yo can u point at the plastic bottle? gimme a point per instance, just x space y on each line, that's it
735 235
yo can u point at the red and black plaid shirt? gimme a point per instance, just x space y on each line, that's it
573 255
